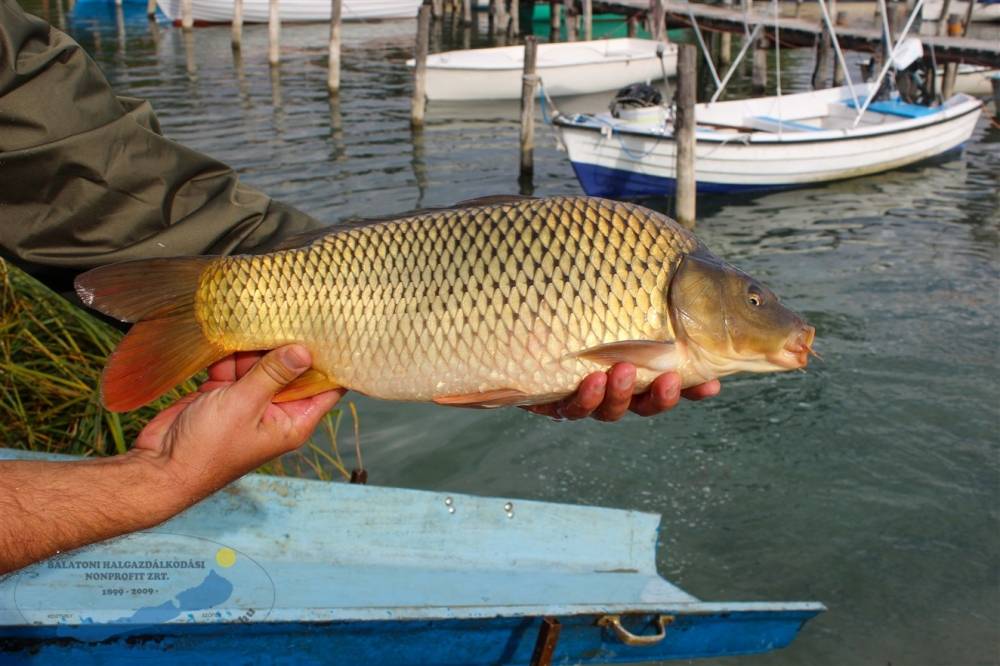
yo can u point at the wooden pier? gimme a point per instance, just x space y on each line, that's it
796 32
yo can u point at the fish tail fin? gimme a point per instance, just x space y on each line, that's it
166 346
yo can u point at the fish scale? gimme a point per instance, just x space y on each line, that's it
459 301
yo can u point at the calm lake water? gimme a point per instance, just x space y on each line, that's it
870 483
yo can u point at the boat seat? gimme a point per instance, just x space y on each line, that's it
894 107
771 124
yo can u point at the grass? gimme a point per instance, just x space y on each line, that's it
51 357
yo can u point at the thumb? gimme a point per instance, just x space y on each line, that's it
273 372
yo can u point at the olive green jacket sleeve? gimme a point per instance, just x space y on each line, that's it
86 178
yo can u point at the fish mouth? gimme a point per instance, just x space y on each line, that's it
797 350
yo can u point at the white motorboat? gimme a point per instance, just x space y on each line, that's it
571 68
763 143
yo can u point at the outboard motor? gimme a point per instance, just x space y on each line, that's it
639 103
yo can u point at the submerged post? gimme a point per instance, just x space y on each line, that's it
420 67
333 67
554 8
529 83
151 8
187 14
684 122
273 33
236 38
588 20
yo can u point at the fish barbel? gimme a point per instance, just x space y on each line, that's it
498 301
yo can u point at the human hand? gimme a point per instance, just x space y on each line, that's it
231 425
608 395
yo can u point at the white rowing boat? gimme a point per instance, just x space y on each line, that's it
571 68
291 11
764 143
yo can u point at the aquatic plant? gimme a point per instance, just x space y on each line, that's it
51 357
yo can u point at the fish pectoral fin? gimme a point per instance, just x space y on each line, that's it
656 356
485 399
309 383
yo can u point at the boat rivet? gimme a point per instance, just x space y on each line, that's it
510 514
448 501
451 509
508 507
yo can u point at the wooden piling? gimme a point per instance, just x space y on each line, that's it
633 19
437 9
759 74
273 33
187 14
823 47
684 127
419 102
236 36
572 24
514 27
657 19
554 8
588 20
838 71
466 12
529 85
951 68
942 19
333 66
151 8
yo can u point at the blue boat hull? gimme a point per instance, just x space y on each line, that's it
486 642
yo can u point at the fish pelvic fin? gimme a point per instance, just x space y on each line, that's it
649 354
309 383
504 397
167 345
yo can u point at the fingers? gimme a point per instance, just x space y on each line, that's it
618 394
269 375
245 362
702 391
224 370
663 394
305 414
587 398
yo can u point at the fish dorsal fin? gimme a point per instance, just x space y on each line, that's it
307 238
649 354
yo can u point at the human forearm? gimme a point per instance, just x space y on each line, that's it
51 507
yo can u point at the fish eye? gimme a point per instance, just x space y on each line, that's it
754 297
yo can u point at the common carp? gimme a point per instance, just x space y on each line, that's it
493 302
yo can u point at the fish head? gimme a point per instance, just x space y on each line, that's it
733 323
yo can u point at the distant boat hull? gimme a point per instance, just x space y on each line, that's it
982 12
572 68
291 11
612 159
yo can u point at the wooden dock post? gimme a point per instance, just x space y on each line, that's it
951 68
684 124
630 26
726 42
187 14
437 9
514 28
554 8
333 66
151 8
572 23
236 37
838 71
588 20
420 67
759 74
466 12
657 18
273 33
529 84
